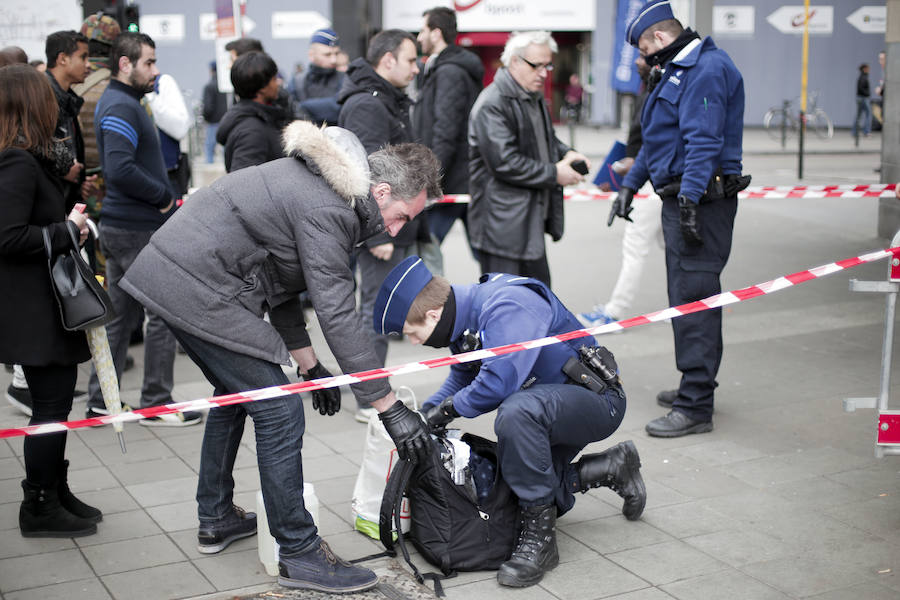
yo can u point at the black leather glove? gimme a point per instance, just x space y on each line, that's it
440 415
621 206
690 231
734 184
327 401
407 429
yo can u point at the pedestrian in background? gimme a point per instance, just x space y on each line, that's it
517 165
215 104
692 125
863 102
317 87
32 164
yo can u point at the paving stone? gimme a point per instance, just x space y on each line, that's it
328 467
139 451
149 471
6 450
868 591
164 492
187 542
590 506
689 518
12 544
666 562
38 570
121 526
878 515
489 589
89 480
132 554
175 517
233 570
11 489
109 501
613 534
644 594
10 468
880 478
9 516
740 547
584 579
165 582
724 584
769 470
571 550
818 493
84 589
246 480
336 490
800 576
330 523
719 452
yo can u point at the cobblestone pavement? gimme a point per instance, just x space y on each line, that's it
784 499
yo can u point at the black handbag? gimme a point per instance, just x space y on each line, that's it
83 303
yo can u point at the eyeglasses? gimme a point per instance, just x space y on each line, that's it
548 67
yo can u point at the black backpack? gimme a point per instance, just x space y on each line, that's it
448 527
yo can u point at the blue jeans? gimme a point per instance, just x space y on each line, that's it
864 110
210 144
121 247
279 425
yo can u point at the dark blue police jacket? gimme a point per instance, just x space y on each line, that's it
692 122
505 309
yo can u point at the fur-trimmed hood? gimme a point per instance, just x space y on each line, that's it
332 152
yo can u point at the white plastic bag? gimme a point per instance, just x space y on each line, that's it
379 457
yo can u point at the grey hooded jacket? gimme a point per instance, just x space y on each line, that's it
253 240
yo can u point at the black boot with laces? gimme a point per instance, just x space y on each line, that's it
617 468
317 567
536 551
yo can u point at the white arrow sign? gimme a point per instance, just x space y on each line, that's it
869 19
789 19
297 24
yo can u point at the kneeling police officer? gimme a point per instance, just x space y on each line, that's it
543 420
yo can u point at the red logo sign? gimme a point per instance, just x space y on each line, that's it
463 5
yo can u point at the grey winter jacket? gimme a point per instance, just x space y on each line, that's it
253 240
515 197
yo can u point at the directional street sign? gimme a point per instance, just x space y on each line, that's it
869 19
789 19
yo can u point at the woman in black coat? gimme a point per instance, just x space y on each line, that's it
31 163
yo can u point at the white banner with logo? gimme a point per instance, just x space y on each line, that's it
496 15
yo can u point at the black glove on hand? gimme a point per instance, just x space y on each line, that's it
326 401
440 415
407 429
688 219
621 206
733 185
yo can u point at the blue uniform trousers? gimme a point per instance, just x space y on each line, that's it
693 274
541 429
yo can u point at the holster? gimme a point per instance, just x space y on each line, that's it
715 189
581 374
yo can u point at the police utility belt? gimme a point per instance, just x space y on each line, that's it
594 368
720 186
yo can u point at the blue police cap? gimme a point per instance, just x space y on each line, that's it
397 294
651 13
325 36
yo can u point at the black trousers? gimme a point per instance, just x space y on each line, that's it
51 390
538 268
693 274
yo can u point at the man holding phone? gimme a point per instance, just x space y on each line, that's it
517 165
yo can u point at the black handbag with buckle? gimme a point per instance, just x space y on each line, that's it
83 303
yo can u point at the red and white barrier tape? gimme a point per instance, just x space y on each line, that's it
575 194
716 301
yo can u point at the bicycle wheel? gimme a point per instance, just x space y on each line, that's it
822 125
776 120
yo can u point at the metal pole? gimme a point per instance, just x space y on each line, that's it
786 113
803 84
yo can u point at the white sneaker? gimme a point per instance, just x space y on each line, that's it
364 414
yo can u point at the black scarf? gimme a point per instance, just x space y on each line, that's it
659 59
440 337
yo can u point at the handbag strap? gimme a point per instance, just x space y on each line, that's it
48 246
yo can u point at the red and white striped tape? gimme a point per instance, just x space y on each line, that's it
576 194
716 301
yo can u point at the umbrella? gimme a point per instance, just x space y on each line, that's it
106 374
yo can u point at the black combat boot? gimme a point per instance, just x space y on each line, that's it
70 502
617 468
42 515
536 551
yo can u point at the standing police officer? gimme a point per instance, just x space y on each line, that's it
542 423
693 124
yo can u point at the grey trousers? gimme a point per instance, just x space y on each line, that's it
121 247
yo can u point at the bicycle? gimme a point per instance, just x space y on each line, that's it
783 122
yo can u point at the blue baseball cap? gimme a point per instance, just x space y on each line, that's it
397 293
325 36
651 13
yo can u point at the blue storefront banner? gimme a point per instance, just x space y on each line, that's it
625 77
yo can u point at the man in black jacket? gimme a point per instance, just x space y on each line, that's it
517 165
251 129
376 109
214 106
317 89
448 85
